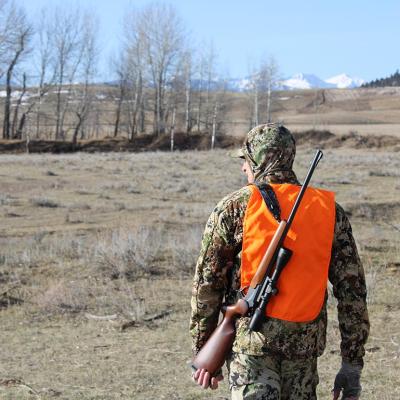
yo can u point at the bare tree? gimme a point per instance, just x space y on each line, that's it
129 96
5 29
44 63
200 74
18 125
256 101
269 77
187 77
67 28
176 98
204 76
16 41
214 125
87 71
131 70
172 130
262 80
153 43
253 90
210 64
17 107
163 34
217 99
136 73
120 70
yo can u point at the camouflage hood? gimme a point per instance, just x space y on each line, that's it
270 150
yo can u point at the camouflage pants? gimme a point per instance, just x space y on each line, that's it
269 378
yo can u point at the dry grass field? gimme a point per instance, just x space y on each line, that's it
97 252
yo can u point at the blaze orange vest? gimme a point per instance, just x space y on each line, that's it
302 284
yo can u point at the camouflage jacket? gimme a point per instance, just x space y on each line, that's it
217 280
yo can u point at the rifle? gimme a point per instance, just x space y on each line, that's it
262 287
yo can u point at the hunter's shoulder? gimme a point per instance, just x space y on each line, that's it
237 199
342 220
340 210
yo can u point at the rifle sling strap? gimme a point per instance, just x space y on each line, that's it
270 200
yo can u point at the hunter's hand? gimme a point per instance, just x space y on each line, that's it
204 379
348 381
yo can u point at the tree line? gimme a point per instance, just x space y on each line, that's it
161 83
392 80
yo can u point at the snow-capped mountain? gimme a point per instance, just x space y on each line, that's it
344 81
301 81
239 85
304 81
310 81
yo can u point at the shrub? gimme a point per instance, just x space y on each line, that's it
185 249
59 296
128 254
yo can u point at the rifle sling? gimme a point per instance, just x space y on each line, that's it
270 200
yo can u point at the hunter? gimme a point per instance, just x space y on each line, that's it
280 361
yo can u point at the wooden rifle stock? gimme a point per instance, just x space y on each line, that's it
214 352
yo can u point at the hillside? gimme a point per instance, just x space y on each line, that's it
363 111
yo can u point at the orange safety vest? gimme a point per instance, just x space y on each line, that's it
302 284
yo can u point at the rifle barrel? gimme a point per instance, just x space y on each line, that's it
314 163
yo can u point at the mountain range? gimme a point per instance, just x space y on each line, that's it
310 81
303 81
297 81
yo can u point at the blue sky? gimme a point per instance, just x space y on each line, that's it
323 37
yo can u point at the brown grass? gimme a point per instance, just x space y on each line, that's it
121 245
